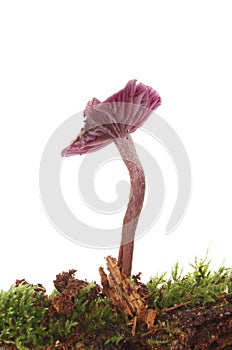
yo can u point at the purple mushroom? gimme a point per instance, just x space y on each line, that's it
112 121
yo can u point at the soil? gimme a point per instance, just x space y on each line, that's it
198 328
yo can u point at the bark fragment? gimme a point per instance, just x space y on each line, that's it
124 296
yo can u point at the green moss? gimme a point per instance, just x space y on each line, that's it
23 311
94 316
199 287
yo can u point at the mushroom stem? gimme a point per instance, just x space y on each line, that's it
129 155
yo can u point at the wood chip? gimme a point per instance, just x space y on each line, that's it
124 296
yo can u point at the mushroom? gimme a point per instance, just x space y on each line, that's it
113 121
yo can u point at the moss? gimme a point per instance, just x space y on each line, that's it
23 311
199 287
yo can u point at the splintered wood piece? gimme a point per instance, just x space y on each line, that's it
134 326
120 290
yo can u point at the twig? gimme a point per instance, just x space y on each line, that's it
166 309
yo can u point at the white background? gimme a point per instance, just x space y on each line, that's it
57 55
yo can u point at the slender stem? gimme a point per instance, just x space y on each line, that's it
137 178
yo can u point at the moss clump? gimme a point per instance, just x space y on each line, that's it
199 287
23 312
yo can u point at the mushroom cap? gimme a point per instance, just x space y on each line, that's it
118 115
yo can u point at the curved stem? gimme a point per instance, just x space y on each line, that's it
137 178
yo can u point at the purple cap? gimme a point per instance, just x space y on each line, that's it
118 115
